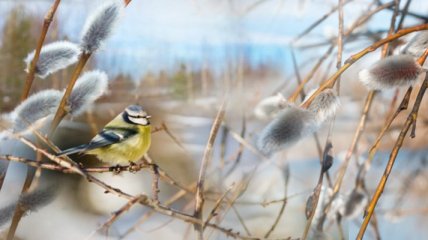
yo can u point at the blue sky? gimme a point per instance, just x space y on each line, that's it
154 35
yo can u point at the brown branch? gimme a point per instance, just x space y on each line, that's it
146 201
63 106
340 35
217 204
121 211
113 169
240 147
155 183
172 136
206 160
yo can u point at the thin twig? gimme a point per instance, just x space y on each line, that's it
121 211
206 160
217 205
240 148
155 183
403 13
172 136
286 175
319 21
413 14
312 206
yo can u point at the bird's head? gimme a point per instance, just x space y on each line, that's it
135 114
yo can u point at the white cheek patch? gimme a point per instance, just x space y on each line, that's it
140 121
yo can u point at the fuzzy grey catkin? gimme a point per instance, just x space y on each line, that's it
325 105
290 125
99 25
417 45
34 108
29 202
390 72
53 57
88 88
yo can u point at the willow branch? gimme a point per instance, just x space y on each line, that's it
145 200
63 106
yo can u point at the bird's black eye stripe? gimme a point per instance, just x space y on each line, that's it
125 117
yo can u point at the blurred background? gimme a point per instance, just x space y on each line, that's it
179 59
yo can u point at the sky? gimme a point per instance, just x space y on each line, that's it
155 35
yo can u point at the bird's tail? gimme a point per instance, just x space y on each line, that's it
73 150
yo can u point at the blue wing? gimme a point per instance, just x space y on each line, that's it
108 136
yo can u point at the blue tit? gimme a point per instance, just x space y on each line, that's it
124 139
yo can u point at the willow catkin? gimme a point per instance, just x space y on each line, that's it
289 126
30 202
99 25
89 87
53 57
325 105
390 72
34 108
294 123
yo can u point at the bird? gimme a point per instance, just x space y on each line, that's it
125 139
